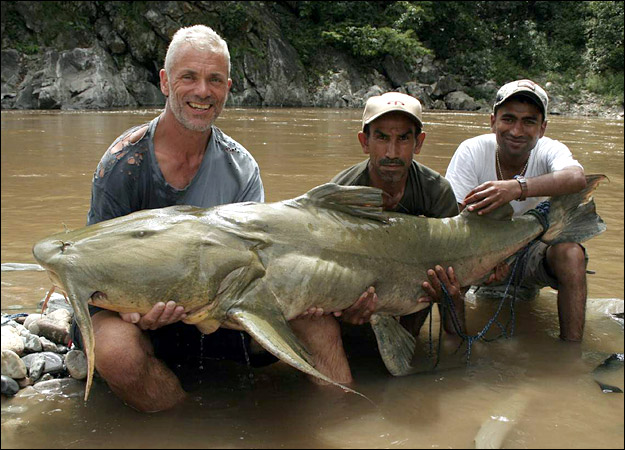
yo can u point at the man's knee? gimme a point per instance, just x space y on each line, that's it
566 258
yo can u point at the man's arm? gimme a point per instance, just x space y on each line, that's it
491 195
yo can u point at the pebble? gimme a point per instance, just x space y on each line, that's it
60 316
52 330
11 340
53 362
31 318
9 386
76 363
36 367
47 345
12 365
32 343
35 353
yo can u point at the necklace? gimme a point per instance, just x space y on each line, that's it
498 165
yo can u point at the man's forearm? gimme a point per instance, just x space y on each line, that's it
565 181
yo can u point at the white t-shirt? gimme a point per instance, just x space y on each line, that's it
474 164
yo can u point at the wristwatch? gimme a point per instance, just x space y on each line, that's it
523 182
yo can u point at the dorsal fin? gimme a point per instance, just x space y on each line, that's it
359 201
503 213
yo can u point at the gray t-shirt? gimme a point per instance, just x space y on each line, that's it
130 179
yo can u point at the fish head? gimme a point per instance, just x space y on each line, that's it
134 261
129 263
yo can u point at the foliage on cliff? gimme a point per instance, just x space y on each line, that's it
577 44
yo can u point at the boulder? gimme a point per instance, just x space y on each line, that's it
461 101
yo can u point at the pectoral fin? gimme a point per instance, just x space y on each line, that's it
395 343
272 331
268 326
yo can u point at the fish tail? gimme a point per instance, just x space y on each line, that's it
571 217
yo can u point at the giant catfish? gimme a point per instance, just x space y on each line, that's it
255 266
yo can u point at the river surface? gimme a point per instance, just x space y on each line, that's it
532 389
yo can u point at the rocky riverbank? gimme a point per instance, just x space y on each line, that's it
36 349
110 61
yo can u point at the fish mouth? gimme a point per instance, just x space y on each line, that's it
97 296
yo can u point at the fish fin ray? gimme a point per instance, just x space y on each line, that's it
503 213
395 343
359 201
274 334
573 217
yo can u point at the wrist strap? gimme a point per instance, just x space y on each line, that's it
523 182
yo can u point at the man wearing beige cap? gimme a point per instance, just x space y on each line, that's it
516 163
392 132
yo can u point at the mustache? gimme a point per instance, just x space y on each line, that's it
391 162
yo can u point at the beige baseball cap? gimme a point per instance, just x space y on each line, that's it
526 88
389 102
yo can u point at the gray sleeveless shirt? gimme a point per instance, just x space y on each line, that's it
130 179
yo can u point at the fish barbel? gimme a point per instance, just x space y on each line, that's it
255 266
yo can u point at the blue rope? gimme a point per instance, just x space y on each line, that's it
516 278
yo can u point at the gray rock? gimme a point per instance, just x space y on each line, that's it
11 340
76 363
53 362
46 377
32 343
32 318
36 366
395 71
422 92
439 104
12 365
427 73
47 345
82 78
54 331
9 386
460 101
12 74
25 382
488 90
61 316
444 86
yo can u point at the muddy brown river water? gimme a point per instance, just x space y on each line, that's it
535 391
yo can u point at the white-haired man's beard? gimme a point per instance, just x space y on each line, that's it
194 123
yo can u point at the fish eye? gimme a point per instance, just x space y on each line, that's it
142 234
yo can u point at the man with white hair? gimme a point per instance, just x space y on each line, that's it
180 157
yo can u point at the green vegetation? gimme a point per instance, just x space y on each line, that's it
575 43
578 45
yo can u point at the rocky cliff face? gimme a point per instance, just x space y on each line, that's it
100 55
108 60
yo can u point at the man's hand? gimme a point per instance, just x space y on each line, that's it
361 311
433 289
489 196
160 315
434 293
500 272
357 314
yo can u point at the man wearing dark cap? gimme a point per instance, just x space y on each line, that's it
392 132
516 163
